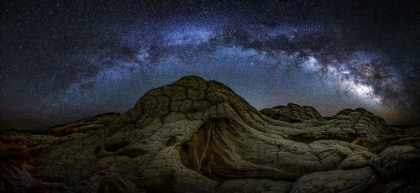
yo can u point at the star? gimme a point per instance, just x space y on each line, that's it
60 63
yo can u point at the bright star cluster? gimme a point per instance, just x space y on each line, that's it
63 61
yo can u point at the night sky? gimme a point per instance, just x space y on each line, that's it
61 61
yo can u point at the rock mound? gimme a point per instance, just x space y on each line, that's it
199 136
358 126
293 113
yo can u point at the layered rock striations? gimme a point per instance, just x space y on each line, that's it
199 136
293 113
357 126
83 126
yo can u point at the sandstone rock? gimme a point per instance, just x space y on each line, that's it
293 113
408 185
253 185
356 161
357 126
114 183
368 126
82 126
397 161
345 181
21 148
187 180
396 186
199 136
14 179
408 135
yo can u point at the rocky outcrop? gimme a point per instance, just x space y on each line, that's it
397 161
369 127
199 136
293 113
409 135
356 180
82 126
357 126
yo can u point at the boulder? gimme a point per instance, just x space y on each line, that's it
397 161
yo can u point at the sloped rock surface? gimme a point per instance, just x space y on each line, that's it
397 161
409 135
293 113
82 126
357 126
369 127
253 185
343 181
199 136
20 148
20 180
409 184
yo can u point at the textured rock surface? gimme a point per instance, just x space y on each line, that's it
198 136
357 180
293 113
357 126
397 161
407 136
82 126
253 185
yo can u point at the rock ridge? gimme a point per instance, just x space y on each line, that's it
199 136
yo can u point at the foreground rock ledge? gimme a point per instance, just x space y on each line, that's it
198 136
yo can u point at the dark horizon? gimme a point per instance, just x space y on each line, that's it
39 128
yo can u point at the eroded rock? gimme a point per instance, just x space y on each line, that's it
199 136
254 185
293 113
83 126
345 181
397 161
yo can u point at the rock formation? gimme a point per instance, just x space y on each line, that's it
83 126
199 136
293 113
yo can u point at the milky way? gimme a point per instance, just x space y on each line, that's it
63 62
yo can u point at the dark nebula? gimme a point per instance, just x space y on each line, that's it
61 61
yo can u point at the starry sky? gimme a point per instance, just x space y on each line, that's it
61 61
